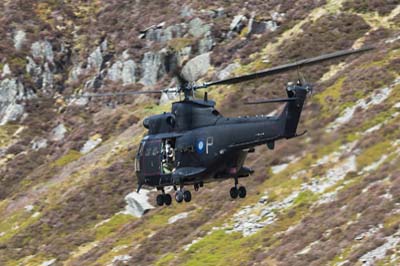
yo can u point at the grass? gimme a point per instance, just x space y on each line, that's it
373 153
113 225
71 156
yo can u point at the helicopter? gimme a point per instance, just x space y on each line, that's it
194 144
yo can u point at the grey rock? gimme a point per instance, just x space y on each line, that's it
11 113
196 67
178 217
38 144
32 68
197 28
227 71
123 70
90 145
95 59
137 203
152 68
47 77
42 50
186 11
129 72
238 23
6 71
206 44
11 90
48 262
58 133
164 35
19 39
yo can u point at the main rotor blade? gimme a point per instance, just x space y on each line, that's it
286 67
123 93
278 100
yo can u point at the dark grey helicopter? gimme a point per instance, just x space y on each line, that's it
194 144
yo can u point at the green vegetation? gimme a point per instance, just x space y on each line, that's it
113 225
71 156
373 153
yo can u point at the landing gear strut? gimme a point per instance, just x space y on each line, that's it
235 191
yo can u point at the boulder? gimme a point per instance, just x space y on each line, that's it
42 50
19 39
11 90
227 71
137 203
92 143
58 133
196 67
238 23
6 71
197 28
152 68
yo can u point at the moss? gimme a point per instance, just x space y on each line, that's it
165 260
113 225
330 95
177 44
373 153
217 249
6 134
305 198
71 156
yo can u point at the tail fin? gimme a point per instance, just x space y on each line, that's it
290 116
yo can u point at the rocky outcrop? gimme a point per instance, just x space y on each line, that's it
123 70
11 90
152 68
196 67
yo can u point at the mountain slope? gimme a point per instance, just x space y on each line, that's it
330 197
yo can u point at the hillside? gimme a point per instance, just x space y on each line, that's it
331 197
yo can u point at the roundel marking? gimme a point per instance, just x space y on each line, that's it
200 146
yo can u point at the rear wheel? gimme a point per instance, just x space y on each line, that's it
242 192
160 200
179 196
234 192
187 196
167 199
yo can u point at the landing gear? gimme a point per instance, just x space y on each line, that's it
164 199
181 195
235 192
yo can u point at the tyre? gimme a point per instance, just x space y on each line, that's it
160 200
234 192
187 196
167 199
179 196
242 192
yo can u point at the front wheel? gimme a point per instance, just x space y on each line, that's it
167 199
160 200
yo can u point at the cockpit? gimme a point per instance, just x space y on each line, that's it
156 156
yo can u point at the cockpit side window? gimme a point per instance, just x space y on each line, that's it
141 148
